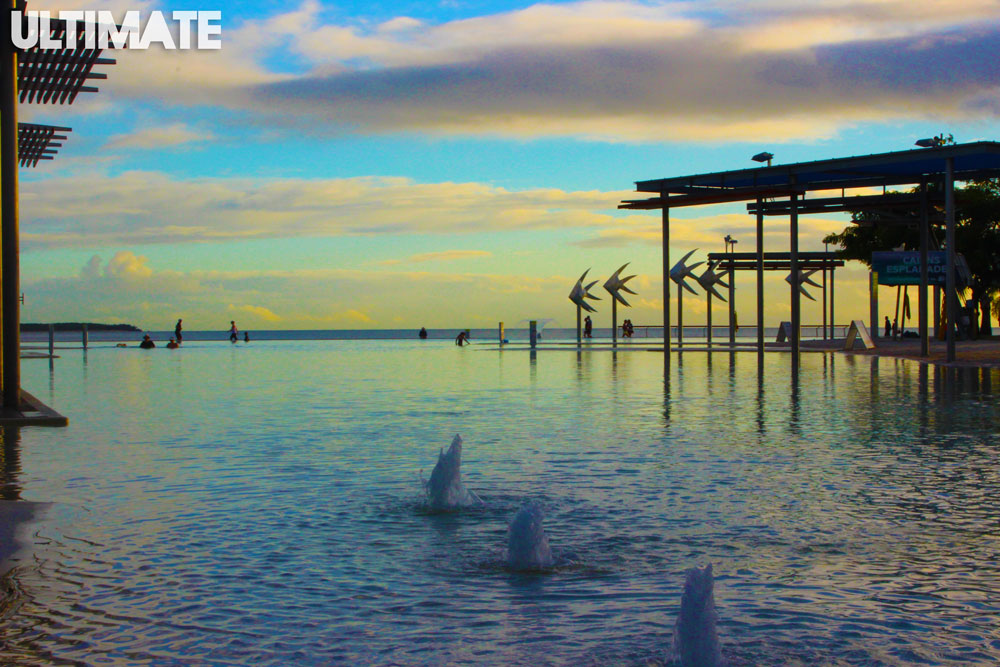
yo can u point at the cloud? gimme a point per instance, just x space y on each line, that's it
126 266
611 70
259 312
440 256
159 137
97 210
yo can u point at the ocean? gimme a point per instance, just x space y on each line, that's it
262 504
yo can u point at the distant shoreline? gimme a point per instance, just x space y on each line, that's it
78 326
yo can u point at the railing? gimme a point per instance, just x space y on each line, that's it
721 333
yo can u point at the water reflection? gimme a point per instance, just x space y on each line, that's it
224 514
10 463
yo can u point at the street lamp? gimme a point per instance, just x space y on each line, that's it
763 157
730 243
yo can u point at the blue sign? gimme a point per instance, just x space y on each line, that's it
903 268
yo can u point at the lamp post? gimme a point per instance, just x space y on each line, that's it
730 249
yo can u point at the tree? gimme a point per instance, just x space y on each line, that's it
977 238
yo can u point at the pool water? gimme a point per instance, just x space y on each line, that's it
261 504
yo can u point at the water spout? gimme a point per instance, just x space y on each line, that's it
445 489
527 545
696 643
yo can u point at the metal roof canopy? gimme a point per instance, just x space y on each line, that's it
971 161
38 142
775 261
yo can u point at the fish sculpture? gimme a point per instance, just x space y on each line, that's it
580 293
696 641
709 279
527 545
615 285
445 490
681 271
804 278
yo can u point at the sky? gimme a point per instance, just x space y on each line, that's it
457 163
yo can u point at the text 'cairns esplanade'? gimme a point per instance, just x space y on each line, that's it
137 30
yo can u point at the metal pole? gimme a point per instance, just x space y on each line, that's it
10 337
925 349
680 316
873 303
52 340
732 303
832 320
937 311
85 334
666 280
760 284
708 331
533 333
579 327
614 321
951 298
825 249
794 259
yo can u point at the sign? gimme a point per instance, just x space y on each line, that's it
903 268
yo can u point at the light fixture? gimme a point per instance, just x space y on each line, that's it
763 157
934 142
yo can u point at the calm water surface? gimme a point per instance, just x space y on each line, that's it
260 504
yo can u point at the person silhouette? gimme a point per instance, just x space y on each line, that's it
177 332
233 331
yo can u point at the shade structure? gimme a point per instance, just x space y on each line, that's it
57 76
30 76
782 191
38 142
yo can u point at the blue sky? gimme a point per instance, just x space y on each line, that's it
452 164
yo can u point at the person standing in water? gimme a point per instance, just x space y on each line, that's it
246 336
177 332
233 331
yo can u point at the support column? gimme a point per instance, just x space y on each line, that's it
760 284
732 304
680 316
937 310
708 315
10 271
832 318
824 298
794 260
951 298
666 280
925 349
876 325
614 321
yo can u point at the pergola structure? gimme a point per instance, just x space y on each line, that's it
783 189
38 142
36 76
731 262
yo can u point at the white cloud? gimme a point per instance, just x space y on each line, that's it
611 70
159 137
95 210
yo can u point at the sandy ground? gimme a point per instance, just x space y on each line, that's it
983 353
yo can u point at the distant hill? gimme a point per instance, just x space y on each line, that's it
78 326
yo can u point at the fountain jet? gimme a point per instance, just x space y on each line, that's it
527 545
696 643
445 489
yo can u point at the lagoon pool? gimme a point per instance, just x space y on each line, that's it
261 505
